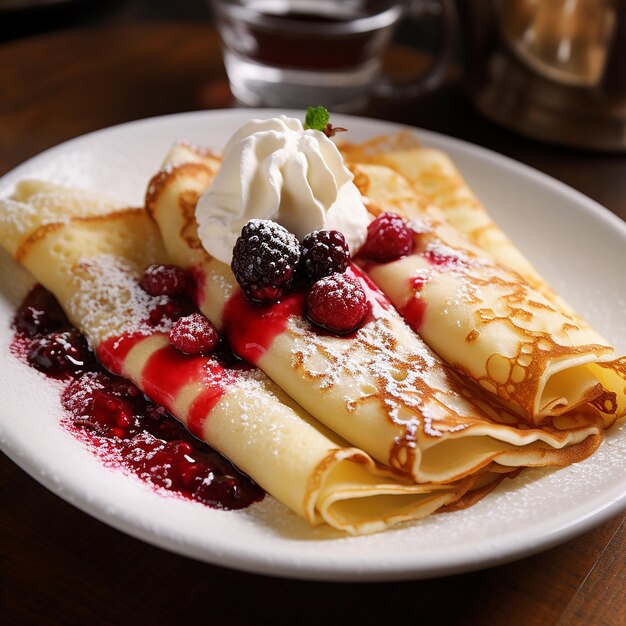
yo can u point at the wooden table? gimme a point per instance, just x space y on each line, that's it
60 566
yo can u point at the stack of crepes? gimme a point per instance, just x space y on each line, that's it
91 254
392 432
381 388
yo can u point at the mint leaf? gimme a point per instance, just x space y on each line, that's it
316 118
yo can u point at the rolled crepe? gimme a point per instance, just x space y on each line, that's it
484 319
92 264
36 204
434 179
380 388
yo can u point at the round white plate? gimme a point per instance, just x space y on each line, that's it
578 245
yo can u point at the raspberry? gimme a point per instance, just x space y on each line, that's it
164 280
324 252
112 416
337 302
388 238
194 334
169 311
265 258
156 422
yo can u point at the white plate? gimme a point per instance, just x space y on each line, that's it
578 245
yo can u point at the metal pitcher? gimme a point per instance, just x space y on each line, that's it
550 69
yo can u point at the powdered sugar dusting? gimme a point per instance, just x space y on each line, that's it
249 403
219 283
109 302
419 226
403 377
46 204
20 216
440 254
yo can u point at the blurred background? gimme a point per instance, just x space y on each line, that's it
21 18
554 70
543 81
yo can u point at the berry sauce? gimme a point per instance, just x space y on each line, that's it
251 327
414 310
168 371
440 259
115 420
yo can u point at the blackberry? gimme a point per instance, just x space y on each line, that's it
265 258
324 252
388 239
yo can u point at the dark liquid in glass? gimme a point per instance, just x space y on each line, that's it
286 43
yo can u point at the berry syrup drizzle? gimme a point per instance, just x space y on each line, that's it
251 327
116 421
440 258
415 309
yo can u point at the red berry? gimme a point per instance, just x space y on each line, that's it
194 334
157 422
388 238
337 302
124 389
164 280
40 313
170 310
60 353
265 258
324 252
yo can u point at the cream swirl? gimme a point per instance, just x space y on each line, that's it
273 169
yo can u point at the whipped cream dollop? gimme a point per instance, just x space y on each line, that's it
274 169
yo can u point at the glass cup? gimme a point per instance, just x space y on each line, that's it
296 53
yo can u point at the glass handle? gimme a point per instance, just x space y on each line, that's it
447 12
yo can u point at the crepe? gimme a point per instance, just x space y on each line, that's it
380 388
91 260
434 179
484 319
